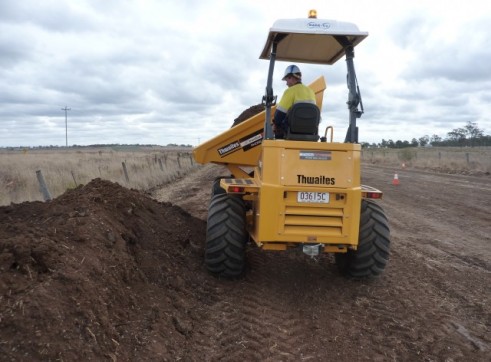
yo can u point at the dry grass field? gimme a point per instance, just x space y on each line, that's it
466 160
148 167
63 169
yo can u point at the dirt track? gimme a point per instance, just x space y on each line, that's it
106 273
433 302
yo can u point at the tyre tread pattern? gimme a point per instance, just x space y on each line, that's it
226 236
372 255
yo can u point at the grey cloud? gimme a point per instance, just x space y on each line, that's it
51 15
461 58
411 31
461 68
131 78
13 49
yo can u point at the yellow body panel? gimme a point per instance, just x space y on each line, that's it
276 220
289 167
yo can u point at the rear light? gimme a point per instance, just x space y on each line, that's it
372 195
236 190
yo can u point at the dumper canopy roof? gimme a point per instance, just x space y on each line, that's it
311 40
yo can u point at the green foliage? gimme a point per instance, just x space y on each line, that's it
406 155
468 136
71 186
423 141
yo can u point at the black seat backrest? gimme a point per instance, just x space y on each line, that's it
303 122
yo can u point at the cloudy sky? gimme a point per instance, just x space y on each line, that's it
161 71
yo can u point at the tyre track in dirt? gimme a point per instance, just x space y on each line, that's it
442 232
252 326
445 221
237 326
432 302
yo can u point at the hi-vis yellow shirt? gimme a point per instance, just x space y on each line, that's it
295 94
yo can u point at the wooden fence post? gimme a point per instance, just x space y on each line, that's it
160 164
179 159
75 181
125 172
42 186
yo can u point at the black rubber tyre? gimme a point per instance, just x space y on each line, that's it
215 188
372 255
226 236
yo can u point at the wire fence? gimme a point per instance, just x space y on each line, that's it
37 176
448 159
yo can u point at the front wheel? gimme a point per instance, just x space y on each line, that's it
226 236
372 255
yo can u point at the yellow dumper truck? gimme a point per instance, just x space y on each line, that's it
303 191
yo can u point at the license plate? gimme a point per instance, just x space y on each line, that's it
315 197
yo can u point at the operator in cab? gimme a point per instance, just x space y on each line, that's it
295 93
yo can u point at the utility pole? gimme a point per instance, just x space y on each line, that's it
66 109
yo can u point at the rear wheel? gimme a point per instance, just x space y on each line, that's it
226 236
372 255
215 188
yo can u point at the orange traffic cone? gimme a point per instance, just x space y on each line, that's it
395 181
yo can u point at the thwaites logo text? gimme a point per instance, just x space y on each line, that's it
228 148
316 180
246 143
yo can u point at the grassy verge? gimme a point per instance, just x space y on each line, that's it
467 160
67 168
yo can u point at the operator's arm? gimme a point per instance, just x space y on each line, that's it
279 117
280 114
279 124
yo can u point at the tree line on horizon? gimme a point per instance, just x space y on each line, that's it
468 136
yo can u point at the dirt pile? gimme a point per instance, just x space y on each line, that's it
101 272
107 274
248 113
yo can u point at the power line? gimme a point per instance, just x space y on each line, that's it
66 109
